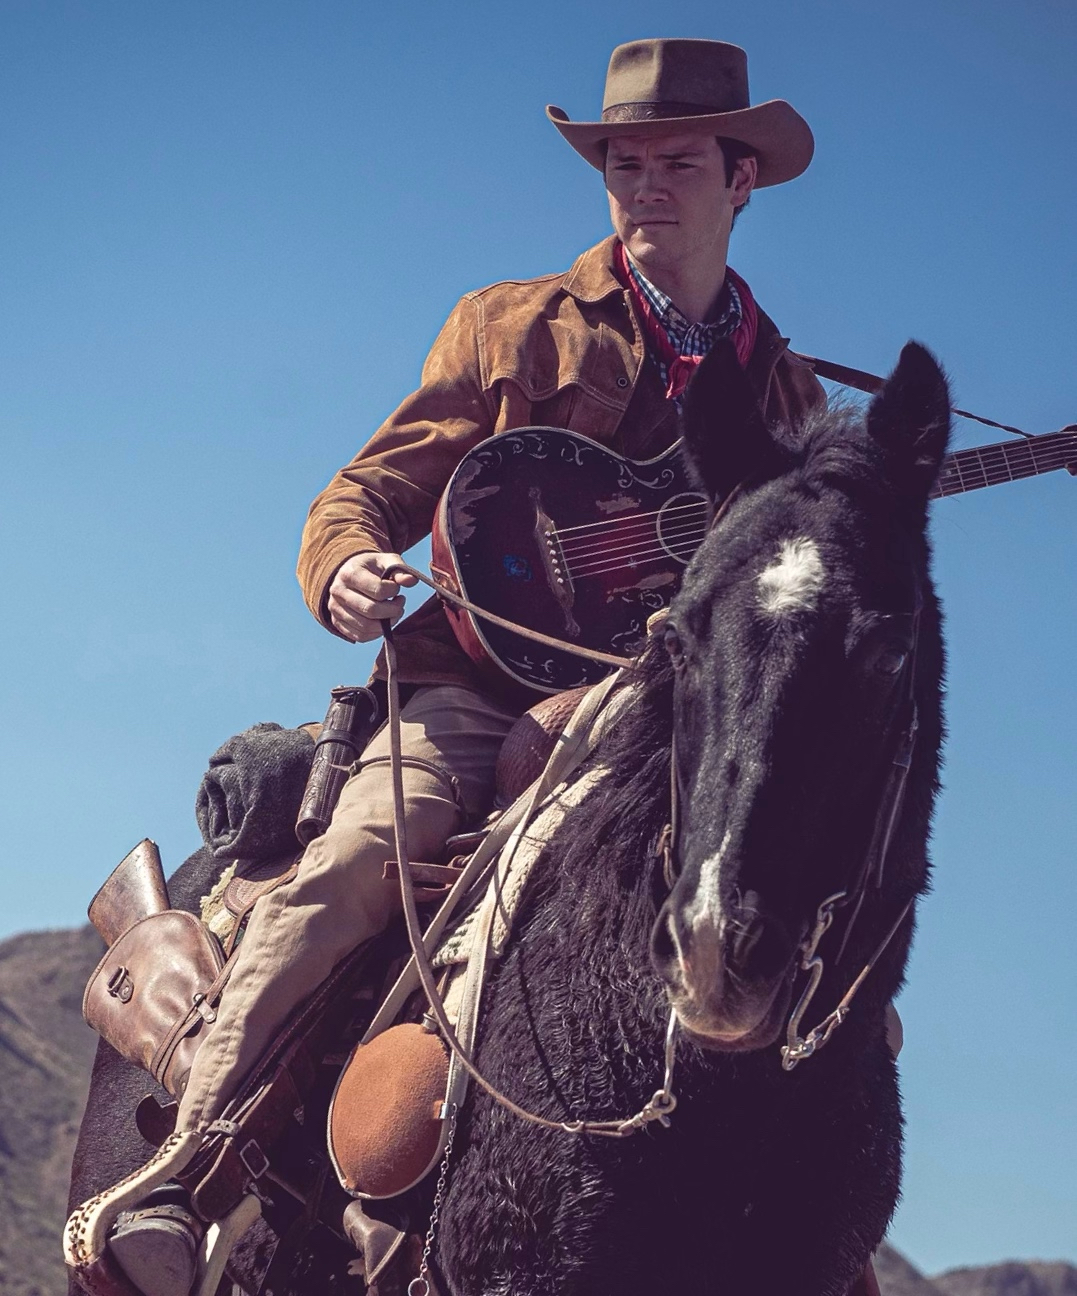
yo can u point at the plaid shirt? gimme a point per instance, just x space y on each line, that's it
689 339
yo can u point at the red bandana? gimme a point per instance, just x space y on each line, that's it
679 368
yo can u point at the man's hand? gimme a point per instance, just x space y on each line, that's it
360 599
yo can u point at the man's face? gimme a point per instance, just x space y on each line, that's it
669 200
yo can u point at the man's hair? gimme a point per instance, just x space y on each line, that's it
733 150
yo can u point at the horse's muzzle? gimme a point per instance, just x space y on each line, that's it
729 981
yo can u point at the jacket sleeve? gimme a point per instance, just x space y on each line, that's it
385 498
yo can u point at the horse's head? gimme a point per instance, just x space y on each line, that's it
803 634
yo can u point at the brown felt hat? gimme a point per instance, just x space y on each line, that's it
658 87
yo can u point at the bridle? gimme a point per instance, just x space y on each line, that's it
797 1048
902 735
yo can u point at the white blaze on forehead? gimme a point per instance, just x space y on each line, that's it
794 581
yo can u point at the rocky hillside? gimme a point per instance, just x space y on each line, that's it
1014 1278
45 1056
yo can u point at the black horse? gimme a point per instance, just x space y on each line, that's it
804 639
805 632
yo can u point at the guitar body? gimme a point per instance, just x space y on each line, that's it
559 534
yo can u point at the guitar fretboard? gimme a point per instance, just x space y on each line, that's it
1006 461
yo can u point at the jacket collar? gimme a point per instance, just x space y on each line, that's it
592 276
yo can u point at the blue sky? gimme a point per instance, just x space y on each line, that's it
230 233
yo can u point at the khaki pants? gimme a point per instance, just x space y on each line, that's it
298 933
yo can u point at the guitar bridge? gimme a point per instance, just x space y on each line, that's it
553 559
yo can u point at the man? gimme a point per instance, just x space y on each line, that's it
604 350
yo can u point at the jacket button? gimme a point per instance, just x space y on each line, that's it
622 381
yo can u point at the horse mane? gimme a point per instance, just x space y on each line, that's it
832 448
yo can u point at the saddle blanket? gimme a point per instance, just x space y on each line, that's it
514 867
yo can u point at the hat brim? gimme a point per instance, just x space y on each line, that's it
780 138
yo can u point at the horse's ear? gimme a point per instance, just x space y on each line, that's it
725 438
910 418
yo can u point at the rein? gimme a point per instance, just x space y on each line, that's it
661 1103
548 641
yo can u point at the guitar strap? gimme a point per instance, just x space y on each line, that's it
861 380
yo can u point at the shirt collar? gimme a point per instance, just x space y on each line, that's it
678 325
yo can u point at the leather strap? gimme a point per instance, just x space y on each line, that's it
571 749
861 380
548 641
593 715
342 736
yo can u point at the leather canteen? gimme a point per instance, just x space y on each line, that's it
385 1129
152 996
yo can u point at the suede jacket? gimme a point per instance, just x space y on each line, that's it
564 350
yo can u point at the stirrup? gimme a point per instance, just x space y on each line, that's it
220 1238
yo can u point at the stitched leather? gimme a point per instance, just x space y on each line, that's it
134 889
251 882
161 963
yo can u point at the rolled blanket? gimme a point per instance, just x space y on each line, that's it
250 795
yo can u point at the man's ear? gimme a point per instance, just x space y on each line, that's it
910 419
725 438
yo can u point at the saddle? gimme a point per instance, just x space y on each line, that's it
154 995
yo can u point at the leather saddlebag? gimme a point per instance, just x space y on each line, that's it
154 994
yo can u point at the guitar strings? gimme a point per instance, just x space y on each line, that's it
629 530
684 547
622 543
689 542
594 556
1036 455
690 535
953 480
628 517
628 535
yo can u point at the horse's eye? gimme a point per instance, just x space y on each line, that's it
672 641
891 661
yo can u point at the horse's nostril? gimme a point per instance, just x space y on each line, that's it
664 950
759 945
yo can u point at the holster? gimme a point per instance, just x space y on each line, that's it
134 889
353 715
155 992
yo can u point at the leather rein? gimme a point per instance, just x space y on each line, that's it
661 1103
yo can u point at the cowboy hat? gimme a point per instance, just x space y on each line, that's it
659 87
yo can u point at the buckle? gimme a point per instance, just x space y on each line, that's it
255 1160
120 985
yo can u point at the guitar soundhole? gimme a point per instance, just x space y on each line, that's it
681 525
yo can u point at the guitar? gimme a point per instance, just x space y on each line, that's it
559 534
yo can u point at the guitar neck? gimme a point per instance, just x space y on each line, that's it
1006 461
